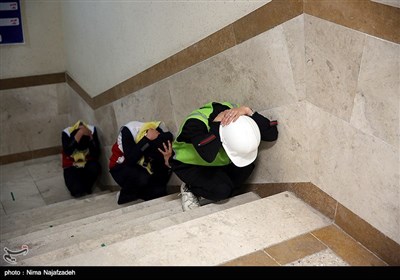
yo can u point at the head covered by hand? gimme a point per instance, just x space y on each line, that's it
84 141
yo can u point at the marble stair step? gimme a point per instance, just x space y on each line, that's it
94 226
28 217
212 239
99 206
95 236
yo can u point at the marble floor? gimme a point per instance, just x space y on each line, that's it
35 183
327 246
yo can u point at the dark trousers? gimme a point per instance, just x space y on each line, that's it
213 182
135 181
81 180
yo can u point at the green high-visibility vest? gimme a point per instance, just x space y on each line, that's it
186 153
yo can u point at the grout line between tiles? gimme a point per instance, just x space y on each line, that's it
271 257
356 241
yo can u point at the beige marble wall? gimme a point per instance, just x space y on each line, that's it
333 58
32 118
352 89
257 73
375 111
267 74
287 159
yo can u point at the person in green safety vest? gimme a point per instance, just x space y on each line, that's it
215 149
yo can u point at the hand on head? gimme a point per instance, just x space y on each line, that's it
231 115
85 131
152 133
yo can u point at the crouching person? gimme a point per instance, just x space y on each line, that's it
80 154
139 161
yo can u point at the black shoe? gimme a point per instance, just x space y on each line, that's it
123 198
78 195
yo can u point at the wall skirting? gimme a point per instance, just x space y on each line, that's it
30 155
31 81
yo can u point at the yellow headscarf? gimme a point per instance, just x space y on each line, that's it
142 132
76 126
79 156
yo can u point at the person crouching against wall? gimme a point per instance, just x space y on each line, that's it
80 154
139 161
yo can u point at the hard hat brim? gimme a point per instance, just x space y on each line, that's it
242 160
240 140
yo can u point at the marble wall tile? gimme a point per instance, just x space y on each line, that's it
32 118
106 124
150 103
79 109
14 141
105 177
63 100
358 170
257 73
43 133
18 105
294 34
376 104
287 159
31 134
333 58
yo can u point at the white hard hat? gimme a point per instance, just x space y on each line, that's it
240 140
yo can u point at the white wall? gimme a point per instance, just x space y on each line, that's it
109 42
43 51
